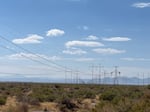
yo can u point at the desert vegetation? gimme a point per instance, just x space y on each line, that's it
31 97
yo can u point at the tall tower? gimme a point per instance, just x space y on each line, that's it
116 75
92 71
100 74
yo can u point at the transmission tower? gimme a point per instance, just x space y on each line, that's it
92 71
148 78
116 75
104 78
143 79
77 77
100 74
138 79
66 75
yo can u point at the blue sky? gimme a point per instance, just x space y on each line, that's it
75 34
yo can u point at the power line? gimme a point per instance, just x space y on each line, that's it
37 61
143 79
77 77
138 78
66 69
100 74
116 75
13 73
105 76
92 71
26 50
58 66
148 78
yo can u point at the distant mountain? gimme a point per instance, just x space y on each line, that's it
106 80
123 81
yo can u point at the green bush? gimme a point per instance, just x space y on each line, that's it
89 94
2 100
108 95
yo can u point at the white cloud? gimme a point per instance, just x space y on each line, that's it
54 58
108 51
141 4
92 37
83 27
30 39
85 59
83 44
55 32
23 56
74 51
135 59
117 39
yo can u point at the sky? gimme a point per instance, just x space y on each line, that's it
64 35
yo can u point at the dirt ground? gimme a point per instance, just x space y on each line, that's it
12 104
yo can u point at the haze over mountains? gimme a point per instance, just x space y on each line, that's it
107 80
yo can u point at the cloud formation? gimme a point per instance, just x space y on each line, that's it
55 33
117 39
141 4
108 51
83 44
85 59
22 56
92 37
83 27
30 39
135 59
74 51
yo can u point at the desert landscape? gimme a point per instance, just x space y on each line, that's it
74 56
44 97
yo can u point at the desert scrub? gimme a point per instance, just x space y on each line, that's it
109 95
67 105
3 100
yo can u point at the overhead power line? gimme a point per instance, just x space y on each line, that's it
57 66
116 75
26 50
13 73
37 61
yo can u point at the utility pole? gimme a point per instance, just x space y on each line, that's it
95 76
104 80
138 79
77 77
148 78
100 73
143 79
65 75
116 74
71 76
92 70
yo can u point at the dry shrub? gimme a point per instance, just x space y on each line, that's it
22 107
